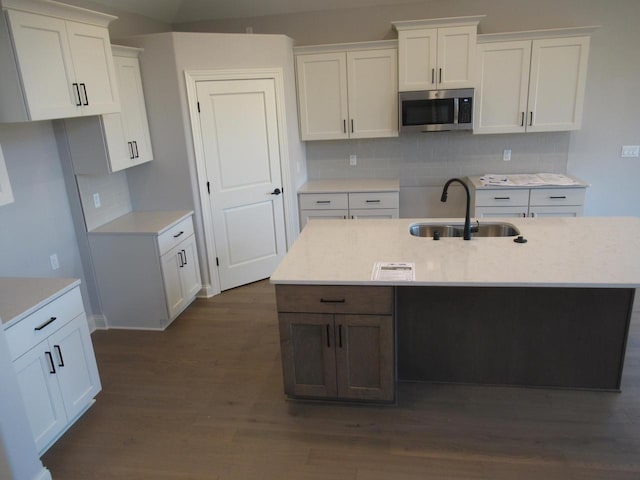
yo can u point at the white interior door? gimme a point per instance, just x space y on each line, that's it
239 130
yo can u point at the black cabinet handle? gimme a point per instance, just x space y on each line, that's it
502 198
559 197
57 347
86 98
184 256
135 144
522 120
340 335
372 201
78 98
323 201
178 234
344 125
328 337
531 120
352 125
440 76
324 300
40 327
131 156
53 367
181 261
433 75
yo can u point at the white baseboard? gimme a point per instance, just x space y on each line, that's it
97 322
44 474
207 291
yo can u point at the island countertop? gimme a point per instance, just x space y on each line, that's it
560 252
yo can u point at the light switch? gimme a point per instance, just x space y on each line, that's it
96 200
506 155
353 160
53 259
630 151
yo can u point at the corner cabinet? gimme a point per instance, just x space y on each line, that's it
436 54
112 142
55 62
147 268
531 85
55 365
347 91
337 342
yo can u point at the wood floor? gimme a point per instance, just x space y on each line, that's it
204 400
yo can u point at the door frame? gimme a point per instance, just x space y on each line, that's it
277 75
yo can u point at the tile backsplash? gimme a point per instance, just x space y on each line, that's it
429 159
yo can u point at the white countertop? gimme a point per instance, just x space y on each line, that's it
143 223
21 296
478 185
560 252
363 185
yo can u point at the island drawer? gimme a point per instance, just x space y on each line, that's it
557 196
373 200
506 197
36 327
335 299
174 235
324 201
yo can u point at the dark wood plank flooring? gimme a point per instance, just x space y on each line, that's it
204 400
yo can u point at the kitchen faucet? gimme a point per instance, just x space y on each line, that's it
467 221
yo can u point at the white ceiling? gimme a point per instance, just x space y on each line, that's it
178 11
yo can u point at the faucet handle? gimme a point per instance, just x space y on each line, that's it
476 228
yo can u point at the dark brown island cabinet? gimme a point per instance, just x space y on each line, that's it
337 342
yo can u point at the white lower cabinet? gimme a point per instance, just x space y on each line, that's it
147 268
55 366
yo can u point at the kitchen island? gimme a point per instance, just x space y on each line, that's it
552 312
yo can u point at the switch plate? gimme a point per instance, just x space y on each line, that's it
353 160
96 200
630 151
53 258
506 155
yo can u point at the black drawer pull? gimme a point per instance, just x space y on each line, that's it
372 201
502 198
53 367
48 322
57 347
178 234
323 201
559 197
324 300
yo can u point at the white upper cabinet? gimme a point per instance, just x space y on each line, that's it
531 85
55 62
436 54
347 91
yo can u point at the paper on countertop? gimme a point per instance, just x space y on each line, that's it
394 271
526 179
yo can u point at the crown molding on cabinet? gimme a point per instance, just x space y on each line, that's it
437 22
60 10
124 51
341 47
536 34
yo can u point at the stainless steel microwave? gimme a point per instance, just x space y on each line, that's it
436 110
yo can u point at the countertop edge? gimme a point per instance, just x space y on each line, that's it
160 231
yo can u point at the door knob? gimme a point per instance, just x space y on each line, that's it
277 191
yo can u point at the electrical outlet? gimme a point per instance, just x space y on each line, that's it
353 160
96 200
506 155
53 258
630 151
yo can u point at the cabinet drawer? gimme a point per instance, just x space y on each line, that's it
323 201
557 196
373 200
36 327
175 235
503 197
334 299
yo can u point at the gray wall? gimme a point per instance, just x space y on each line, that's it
592 153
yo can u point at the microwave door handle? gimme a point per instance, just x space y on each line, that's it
456 107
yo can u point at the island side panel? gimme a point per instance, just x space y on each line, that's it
553 337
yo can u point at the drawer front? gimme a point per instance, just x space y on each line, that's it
557 196
39 325
506 197
334 299
175 235
373 200
323 201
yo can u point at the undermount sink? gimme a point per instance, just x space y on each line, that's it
457 230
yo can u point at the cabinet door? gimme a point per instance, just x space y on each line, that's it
189 270
456 57
322 96
93 65
46 69
134 112
503 87
556 211
501 212
308 354
76 367
373 93
307 215
417 59
171 262
36 373
365 357
373 213
556 90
